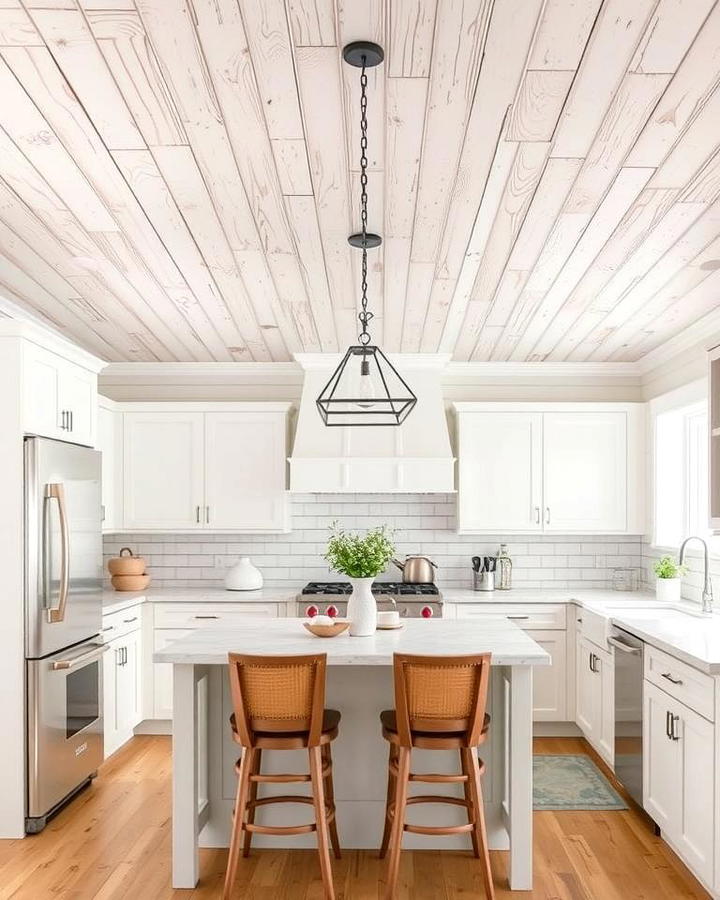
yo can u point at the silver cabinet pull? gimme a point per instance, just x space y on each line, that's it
197 514
56 491
670 678
668 717
205 617
128 621
547 515
537 515
621 645
673 734
207 515
70 420
95 653
517 617
108 628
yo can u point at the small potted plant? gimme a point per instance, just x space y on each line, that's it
668 579
362 559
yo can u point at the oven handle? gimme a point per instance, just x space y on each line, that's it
56 491
626 648
95 653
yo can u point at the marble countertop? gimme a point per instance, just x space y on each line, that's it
113 601
545 595
509 645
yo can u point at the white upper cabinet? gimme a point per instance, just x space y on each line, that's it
585 471
500 471
192 467
163 470
568 468
245 466
59 397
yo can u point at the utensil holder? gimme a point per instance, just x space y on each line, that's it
483 581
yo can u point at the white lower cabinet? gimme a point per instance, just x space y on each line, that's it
678 777
163 673
595 713
122 689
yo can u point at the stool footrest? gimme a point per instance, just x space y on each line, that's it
279 830
439 830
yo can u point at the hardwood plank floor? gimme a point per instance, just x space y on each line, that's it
113 843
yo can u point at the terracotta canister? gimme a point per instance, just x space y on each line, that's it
130 582
126 564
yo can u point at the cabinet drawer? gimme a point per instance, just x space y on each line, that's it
545 616
117 624
691 687
194 615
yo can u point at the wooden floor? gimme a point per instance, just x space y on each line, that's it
114 842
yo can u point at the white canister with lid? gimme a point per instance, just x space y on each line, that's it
243 576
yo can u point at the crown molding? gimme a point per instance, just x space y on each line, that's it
703 332
502 370
50 340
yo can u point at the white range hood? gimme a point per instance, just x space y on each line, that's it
414 457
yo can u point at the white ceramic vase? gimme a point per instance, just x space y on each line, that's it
243 576
667 590
362 608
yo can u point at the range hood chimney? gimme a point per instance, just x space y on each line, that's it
414 457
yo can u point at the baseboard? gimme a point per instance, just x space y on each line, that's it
556 729
154 726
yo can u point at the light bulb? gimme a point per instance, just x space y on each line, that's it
366 388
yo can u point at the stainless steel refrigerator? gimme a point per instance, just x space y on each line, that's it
63 614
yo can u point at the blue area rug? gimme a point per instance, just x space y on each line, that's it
572 782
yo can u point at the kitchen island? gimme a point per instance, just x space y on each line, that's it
360 685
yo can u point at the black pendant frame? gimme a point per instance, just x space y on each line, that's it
390 409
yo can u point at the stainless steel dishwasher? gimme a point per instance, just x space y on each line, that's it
628 711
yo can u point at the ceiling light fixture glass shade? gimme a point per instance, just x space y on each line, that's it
365 389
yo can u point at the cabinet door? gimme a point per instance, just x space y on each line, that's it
585 471
108 443
587 691
110 711
128 680
550 682
500 472
661 771
77 396
41 413
163 673
696 823
605 675
245 465
163 470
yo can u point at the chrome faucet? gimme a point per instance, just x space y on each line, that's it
707 595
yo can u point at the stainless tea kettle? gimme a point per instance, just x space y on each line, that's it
417 569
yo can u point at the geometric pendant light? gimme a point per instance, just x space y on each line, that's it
365 389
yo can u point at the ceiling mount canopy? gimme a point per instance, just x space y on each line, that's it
365 389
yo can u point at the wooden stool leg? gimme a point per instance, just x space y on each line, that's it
241 798
480 832
390 797
252 798
398 825
472 812
330 794
321 820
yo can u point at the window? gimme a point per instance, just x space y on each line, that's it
681 474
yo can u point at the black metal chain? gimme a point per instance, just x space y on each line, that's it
364 316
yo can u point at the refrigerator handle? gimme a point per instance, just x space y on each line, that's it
56 491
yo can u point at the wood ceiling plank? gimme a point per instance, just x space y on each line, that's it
458 47
502 68
170 29
441 295
69 39
17 29
538 104
361 21
406 100
210 314
319 76
613 40
274 316
690 152
410 38
629 111
131 58
705 187
640 322
312 22
226 51
419 286
184 179
633 230
292 166
286 274
672 29
395 276
697 238
582 338
562 34
695 80
267 30
620 197
306 234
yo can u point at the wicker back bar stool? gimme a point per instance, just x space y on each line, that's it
440 704
279 704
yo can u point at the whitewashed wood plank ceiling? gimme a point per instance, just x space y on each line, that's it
178 178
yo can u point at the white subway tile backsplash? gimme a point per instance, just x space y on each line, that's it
423 523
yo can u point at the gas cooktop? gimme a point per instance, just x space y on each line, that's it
398 588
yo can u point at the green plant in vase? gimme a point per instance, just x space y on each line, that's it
668 575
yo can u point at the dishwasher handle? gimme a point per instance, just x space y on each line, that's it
626 648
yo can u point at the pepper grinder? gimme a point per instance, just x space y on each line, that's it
503 574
